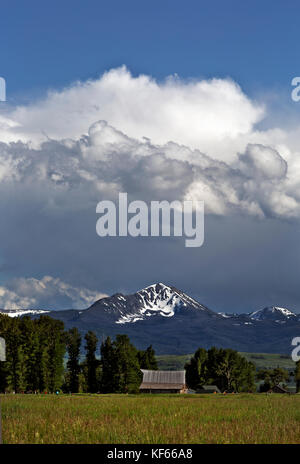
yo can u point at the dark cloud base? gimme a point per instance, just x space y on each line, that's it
243 264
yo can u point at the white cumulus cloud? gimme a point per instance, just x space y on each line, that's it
72 174
197 113
31 293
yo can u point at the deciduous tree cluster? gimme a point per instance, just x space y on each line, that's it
225 368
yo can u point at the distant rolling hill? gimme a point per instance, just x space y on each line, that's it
260 360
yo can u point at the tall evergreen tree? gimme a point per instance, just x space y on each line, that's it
12 339
91 361
109 376
30 347
120 366
44 374
196 369
73 366
22 365
52 340
147 359
128 369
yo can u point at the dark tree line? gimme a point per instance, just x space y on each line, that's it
225 368
36 352
117 371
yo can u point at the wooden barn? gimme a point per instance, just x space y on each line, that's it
163 382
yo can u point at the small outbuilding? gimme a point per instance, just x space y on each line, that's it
278 389
163 382
209 389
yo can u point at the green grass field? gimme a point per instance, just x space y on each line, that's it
154 419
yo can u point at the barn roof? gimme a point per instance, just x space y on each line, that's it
209 388
161 386
163 379
278 389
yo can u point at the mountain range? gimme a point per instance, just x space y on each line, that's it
175 323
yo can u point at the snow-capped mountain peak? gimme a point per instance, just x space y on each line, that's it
158 300
274 313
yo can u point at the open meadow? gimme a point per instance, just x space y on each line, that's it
153 419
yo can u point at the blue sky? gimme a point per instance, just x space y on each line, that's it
225 131
50 44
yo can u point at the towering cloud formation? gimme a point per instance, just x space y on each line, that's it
106 162
192 113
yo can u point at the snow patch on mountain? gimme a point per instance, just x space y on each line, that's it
228 315
225 315
275 313
22 312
